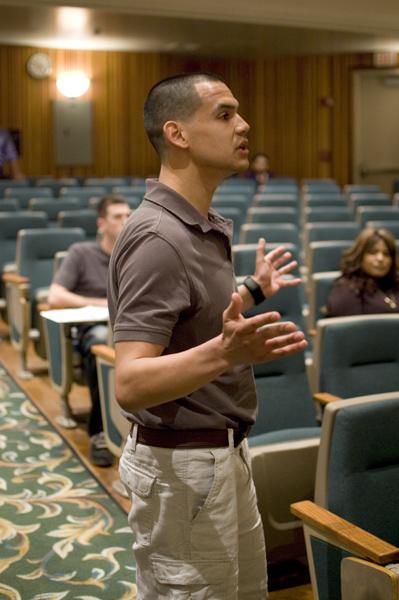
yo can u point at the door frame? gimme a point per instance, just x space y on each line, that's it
356 111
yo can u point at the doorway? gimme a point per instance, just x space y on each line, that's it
376 127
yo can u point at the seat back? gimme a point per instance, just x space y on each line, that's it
326 214
84 218
326 256
284 397
357 355
276 233
53 206
357 478
320 285
392 226
9 204
10 224
36 249
382 213
235 215
272 215
24 194
370 199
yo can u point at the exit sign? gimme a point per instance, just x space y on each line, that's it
385 59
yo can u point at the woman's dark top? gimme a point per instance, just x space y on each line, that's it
361 296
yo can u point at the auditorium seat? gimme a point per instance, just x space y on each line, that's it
352 528
372 213
28 286
283 445
275 232
356 355
53 206
84 218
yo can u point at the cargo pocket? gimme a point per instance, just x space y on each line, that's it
141 485
202 579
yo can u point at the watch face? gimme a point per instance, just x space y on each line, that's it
39 65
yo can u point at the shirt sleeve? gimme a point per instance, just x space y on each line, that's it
153 290
68 273
343 301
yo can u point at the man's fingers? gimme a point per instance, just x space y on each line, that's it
276 254
260 251
234 309
289 349
280 341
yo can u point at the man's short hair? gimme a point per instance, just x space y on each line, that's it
173 98
108 200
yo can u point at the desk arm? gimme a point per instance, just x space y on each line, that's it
105 352
14 278
344 534
324 398
312 332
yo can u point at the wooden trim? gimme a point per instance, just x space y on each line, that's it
324 398
105 352
14 278
345 534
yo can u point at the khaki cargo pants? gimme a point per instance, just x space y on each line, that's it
197 529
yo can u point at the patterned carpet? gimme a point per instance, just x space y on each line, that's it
61 534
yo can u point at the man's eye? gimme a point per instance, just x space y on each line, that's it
225 116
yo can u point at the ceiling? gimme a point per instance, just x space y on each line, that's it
231 28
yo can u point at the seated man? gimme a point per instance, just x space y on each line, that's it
80 281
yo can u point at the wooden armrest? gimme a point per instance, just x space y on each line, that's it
43 306
312 332
345 534
14 278
324 398
105 352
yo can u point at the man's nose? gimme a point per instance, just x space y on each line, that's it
242 125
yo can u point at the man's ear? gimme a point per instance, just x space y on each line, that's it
174 134
100 224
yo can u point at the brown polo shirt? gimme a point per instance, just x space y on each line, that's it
170 279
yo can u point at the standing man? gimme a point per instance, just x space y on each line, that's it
183 355
9 154
80 281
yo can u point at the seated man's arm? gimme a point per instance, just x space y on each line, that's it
60 297
144 378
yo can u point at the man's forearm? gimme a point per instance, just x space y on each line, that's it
60 297
149 381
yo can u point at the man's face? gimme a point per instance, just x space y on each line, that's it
111 225
216 133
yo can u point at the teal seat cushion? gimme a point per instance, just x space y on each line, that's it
284 435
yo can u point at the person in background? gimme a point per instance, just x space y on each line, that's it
81 281
9 154
370 277
259 169
183 355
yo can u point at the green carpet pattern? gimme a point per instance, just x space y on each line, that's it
61 533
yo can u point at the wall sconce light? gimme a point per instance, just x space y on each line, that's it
73 84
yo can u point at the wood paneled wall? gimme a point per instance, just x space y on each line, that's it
287 101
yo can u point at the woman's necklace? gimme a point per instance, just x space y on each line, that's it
391 301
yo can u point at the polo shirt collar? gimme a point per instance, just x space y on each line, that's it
164 196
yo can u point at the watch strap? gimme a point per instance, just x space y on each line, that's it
254 289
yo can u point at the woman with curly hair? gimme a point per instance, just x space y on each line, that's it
370 277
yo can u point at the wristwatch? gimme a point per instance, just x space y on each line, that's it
254 289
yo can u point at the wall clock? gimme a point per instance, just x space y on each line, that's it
39 65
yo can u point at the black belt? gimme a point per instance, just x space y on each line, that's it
188 438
